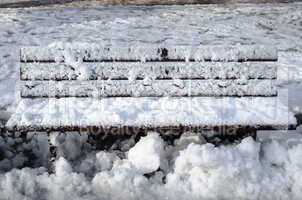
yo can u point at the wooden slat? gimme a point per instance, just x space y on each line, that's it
148 88
158 70
98 53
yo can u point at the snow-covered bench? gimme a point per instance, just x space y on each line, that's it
80 87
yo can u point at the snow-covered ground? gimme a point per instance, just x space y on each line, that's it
247 170
277 24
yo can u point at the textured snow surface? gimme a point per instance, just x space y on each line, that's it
150 112
278 25
190 169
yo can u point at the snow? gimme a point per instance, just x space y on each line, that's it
105 160
147 154
62 167
156 26
197 170
247 170
69 145
151 112
226 173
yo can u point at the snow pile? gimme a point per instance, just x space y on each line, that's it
69 145
147 154
193 170
225 173
18 150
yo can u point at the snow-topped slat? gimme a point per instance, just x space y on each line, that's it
156 70
98 53
73 113
148 88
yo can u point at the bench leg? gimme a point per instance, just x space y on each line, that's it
52 154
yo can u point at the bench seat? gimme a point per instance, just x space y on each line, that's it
71 113
72 87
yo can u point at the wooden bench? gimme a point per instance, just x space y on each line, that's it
94 88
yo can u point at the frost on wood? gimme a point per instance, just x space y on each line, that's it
148 88
151 112
156 70
84 52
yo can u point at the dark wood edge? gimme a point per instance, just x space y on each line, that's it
33 3
112 96
128 130
151 60
39 3
139 79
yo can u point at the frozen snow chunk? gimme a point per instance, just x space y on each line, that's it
249 148
295 155
69 145
5 164
64 184
294 170
275 153
104 160
21 184
19 160
188 138
299 129
121 182
62 167
208 156
97 162
191 157
148 153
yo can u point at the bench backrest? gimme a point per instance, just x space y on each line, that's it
95 71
